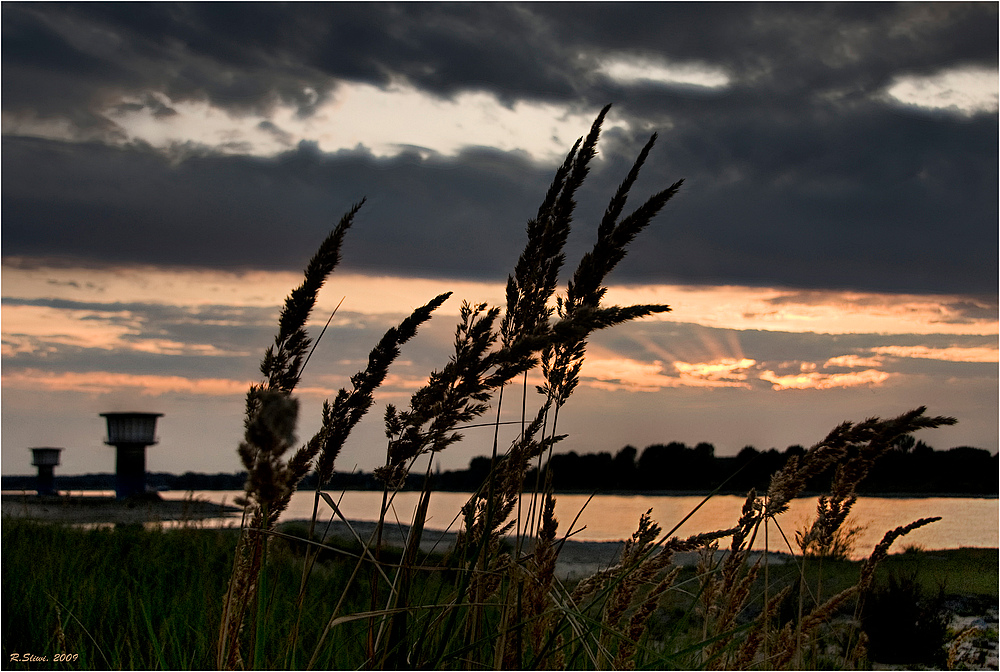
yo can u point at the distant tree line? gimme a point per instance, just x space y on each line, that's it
911 467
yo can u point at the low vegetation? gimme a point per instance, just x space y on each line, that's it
278 598
138 598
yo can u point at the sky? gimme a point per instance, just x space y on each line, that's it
168 170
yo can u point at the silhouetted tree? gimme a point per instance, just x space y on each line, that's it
796 450
623 469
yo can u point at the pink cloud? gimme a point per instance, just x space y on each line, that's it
102 382
824 381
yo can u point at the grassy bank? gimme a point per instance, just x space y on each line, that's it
132 598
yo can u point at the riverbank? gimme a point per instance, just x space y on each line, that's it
97 510
156 555
577 559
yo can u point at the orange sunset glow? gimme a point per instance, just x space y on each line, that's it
162 200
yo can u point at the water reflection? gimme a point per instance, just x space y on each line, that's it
966 522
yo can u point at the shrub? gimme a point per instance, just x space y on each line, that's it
904 624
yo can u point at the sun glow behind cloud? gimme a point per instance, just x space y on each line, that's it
356 116
828 311
968 91
624 374
631 70
728 307
48 308
824 381
23 279
25 327
635 376
952 354
852 362
39 329
103 382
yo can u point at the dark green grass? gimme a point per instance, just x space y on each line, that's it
126 597
132 598
960 571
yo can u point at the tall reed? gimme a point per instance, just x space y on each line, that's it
495 600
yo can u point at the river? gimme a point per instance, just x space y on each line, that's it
965 521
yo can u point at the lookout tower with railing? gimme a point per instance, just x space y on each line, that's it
131 434
46 459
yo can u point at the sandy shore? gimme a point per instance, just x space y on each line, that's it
95 510
576 560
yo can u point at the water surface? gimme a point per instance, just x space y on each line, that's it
966 521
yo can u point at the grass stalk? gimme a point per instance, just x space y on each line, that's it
498 605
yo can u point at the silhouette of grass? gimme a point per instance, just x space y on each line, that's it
135 598
294 600
503 607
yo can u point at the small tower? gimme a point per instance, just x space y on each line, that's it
131 433
46 460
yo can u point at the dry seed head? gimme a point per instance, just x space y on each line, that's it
640 619
825 611
748 649
957 653
592 584
859 654
542 566
784 649
736 597
882 549
641 540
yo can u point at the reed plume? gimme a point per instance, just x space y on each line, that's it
454 395
270 420
349 406
853 448
863 442
731 590
283 362
501 604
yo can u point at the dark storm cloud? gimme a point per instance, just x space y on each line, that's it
797 173
60 59
243 55
450 217
465 216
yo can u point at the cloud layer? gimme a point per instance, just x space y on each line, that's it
169 168
856 157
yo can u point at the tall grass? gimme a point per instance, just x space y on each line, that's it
129 597
134 598
495 601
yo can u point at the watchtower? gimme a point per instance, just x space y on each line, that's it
130 434
46 459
